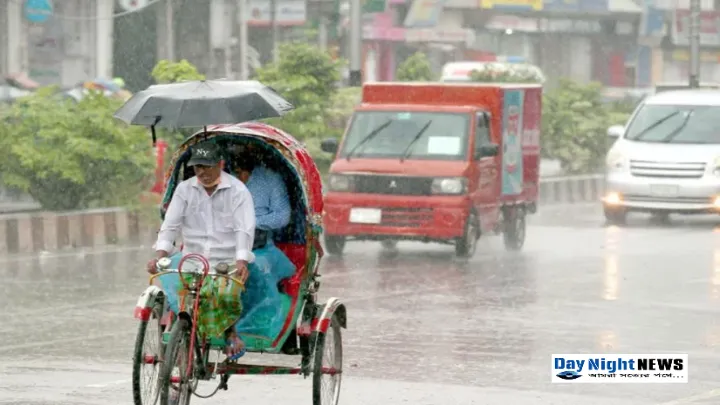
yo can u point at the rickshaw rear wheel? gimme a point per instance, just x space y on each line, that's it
141 357
334 244
332 340
178 346
466 245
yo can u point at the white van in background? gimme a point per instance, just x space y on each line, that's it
667 159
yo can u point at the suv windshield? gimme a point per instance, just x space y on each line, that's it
414 135
676 124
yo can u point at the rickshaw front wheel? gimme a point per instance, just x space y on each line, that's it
174 386
327 367
148 355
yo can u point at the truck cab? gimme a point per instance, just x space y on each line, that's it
419 162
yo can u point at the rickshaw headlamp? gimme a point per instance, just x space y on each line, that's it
340 182
451 185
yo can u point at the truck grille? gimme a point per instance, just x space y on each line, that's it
396 185
406 217
667 170
684 200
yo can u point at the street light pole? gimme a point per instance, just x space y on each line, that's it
274 28
694 44
355 43
243 6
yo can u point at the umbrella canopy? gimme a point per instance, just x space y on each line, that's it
202 103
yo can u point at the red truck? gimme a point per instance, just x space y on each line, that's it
435 162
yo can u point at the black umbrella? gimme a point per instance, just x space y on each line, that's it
202 103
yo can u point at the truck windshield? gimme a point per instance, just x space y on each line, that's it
445 135
676 124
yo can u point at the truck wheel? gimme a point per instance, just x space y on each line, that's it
615 216
466 245
389 244
514 228
334 244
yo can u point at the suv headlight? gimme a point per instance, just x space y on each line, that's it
449 185
615 161
715 167
340 182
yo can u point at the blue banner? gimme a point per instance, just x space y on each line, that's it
578 6
512 156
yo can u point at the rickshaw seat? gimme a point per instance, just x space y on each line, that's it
296 253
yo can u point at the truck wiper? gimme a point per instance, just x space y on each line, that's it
653 125
368 137
407 151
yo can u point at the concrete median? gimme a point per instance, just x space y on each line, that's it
33 232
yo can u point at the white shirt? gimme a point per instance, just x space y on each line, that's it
220 226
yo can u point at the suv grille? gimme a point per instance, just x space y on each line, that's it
668 170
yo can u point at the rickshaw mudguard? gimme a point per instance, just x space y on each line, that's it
333 306
144 305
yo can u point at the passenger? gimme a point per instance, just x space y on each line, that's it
265 315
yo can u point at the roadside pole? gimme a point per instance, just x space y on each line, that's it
694 43
242 7
355 79
274 28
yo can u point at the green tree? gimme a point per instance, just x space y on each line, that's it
416 68
166 71
73 155
306 76
574 123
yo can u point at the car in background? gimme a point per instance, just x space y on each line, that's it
667 159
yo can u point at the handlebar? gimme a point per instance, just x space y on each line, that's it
205 264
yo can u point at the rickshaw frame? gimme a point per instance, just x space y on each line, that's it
301 243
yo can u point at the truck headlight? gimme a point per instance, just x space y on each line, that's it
340 182
449 185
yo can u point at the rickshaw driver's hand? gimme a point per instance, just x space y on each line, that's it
242 270
152 264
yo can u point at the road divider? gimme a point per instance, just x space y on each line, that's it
35 232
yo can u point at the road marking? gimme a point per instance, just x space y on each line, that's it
694 398
107 384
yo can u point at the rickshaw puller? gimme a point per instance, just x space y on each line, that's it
215 213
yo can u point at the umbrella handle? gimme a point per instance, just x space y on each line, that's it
152 130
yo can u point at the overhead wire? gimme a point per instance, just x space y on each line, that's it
112 17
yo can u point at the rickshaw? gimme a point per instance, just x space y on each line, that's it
167 341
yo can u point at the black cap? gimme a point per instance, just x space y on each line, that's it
205 154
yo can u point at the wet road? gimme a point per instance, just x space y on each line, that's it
423 328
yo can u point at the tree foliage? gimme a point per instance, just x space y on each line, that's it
73 155
166 71
574 124
416 68
306 76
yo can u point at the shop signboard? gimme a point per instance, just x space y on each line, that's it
287 13
576 6
709 28
424 13
512 5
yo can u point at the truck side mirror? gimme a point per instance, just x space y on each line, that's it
487 150
615 131
329 145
